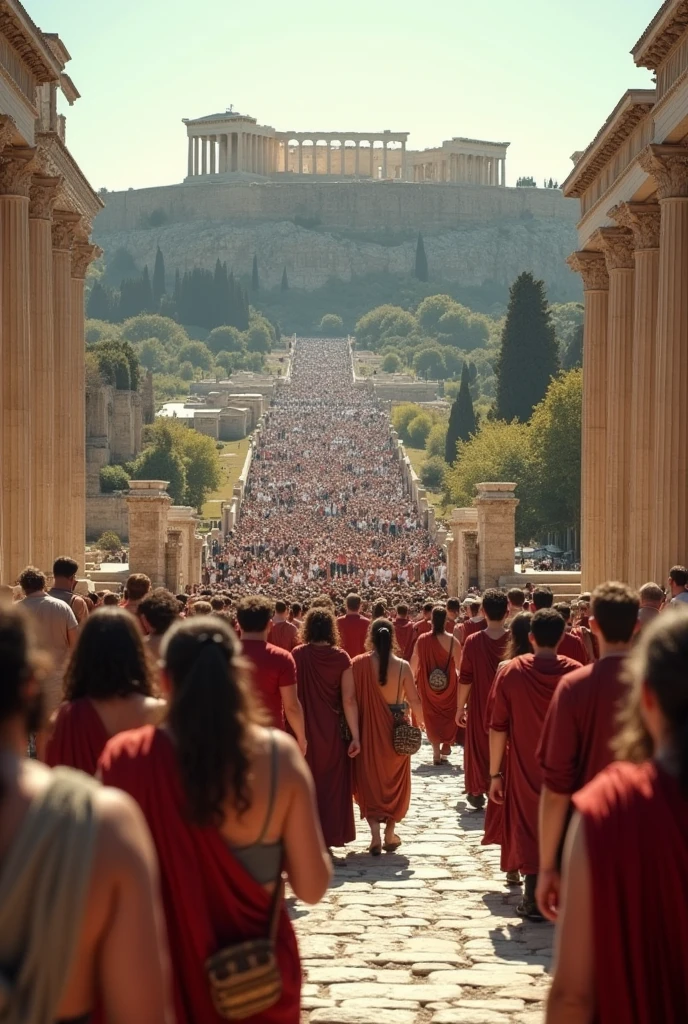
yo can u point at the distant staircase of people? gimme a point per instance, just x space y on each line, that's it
566 586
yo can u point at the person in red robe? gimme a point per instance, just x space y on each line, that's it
518 644
437 650
403 628
482 652
420 627
382 778
473 623
320 666
229 804
274 670
576 741
571 645
523 691
283 633
108 688
353 627
622 932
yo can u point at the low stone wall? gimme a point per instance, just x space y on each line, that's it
107 512
231 510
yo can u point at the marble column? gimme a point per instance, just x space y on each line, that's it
83 255
240 151
328 158
593 269
617 246
286 155
343 158
42 197
403 161
384 159
195 155
372 159
63 231
190 164
300 157
213 151
357 165
643 220
18 398
669 167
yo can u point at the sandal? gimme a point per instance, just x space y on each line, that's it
375 849
513 878
394 845
530 910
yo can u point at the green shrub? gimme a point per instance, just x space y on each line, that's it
418 430
109 541
332 326
113 478
432 472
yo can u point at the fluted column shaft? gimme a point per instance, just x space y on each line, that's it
64 386
592 267
42 361
190 166
15 328
82 254
669 167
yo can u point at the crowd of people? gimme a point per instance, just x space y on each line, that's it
235 738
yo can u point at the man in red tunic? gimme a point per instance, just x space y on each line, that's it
579 727
420 626
403 628
482 653
473 624
571 645
283 633
353 627
521 696
274 670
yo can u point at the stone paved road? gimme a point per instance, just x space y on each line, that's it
428 934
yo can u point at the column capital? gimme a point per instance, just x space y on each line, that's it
643 220
668 165
592 267
42 196
8 129
83 256
65 228
617 247
17 164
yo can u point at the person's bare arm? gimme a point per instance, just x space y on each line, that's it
552 820
572 996
350 705
293 711
133 945
411 695
72 634
462 695
307 861
497 751
414 662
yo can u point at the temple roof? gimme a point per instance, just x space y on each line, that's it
30 43
227 115
665 29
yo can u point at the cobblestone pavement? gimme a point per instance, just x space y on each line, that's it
427 934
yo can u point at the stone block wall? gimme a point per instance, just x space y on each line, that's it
106 512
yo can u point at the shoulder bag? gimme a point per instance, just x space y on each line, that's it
245 978
406 738
438 680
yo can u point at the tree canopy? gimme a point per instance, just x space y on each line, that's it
528 358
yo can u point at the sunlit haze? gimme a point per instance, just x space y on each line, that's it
541 75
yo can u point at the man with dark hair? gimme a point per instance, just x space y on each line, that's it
295 614
571 645
157 611
403 628
482 653
519 701
543 597
274 670
64 582
474 623
678 580
420 626
283 633
135 589
56 627
353 627
516 598
651 601
579 727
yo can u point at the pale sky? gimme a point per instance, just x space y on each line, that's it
540 74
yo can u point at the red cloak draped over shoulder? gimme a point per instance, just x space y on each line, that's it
522 694
210 900
439 709
319 672
479 663
382 778
635 819
78 737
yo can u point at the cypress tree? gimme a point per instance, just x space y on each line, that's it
146 293
529 357
285 281
420 270
461 417
159 278
100 303
255 280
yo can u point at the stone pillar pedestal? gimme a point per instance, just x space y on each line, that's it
148 504
617 245
593 269
173 561
198 560
183 518
16 445
669 167
496 504
460 570
42 360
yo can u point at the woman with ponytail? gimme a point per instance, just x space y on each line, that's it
435 664
382 778
230 804
623 922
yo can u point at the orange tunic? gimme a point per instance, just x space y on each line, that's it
382 778
439 709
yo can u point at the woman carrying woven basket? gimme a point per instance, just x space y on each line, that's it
230 804
435 664
382 775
